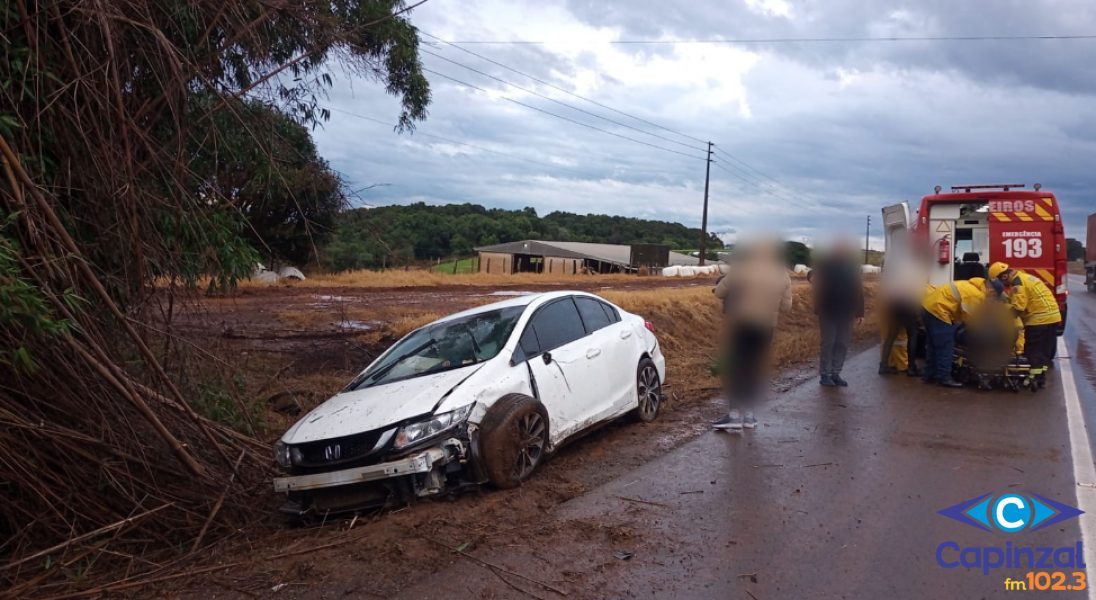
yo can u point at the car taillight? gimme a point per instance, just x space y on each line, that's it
650 326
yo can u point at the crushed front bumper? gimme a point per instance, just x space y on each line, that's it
419 463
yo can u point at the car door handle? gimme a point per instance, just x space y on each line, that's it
593 353
625 334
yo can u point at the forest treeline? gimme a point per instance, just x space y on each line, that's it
403 234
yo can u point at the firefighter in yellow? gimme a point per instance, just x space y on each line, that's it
1037 308
943 308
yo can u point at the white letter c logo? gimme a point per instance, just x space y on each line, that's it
1010 502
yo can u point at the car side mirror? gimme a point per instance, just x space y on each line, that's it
547 356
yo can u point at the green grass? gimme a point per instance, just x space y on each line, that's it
463 265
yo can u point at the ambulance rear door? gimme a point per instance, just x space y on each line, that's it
1023 236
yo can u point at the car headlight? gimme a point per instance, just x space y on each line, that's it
281 454
416 432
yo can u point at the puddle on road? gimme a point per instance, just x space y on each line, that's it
507 293
349 325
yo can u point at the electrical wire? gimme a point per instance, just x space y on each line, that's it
452 141
803 202
561 103
561 89
555 87
807 40
568 119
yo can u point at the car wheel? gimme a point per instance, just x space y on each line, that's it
514 439
649 390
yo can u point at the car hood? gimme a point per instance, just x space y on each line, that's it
375 407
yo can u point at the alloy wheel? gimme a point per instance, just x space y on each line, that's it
532 437
650 392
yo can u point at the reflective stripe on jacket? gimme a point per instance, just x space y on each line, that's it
951 301
1033 300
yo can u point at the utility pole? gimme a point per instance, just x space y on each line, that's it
704 218
867 230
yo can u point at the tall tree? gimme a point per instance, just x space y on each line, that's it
264 165
113 116
1075 250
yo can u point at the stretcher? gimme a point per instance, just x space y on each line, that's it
989 355
1016 374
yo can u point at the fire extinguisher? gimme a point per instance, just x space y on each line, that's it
943 252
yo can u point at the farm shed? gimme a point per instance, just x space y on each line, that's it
536 256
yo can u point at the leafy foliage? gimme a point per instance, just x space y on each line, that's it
260 163
399 234
25 312
141 142
1075 250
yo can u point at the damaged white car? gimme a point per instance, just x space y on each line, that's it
479 396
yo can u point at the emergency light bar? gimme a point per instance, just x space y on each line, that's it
1001 186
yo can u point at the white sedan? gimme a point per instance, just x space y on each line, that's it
479 396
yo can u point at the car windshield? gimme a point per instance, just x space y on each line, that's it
443 346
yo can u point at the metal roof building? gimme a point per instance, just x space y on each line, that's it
538 256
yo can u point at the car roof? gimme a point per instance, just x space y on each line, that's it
525 299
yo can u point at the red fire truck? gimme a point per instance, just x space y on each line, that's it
973 226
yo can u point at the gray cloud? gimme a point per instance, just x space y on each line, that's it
843 128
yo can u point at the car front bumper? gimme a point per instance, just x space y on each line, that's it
417 463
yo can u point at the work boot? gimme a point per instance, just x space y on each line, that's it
951 383
885 369
913 371
827 380
840 382
731 422
749 421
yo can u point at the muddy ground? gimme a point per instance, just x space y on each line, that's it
297 345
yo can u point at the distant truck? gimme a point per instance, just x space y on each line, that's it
1090 254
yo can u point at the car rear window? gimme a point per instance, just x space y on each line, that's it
557 324
593 312
611 312
529 343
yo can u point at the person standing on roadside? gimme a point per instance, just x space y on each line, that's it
901 290
839 304
755 290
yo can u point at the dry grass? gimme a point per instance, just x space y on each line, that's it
424 278
688 322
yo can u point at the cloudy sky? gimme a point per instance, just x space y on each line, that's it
811 137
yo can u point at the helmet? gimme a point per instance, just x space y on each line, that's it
996 269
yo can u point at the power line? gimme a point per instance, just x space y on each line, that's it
778 185
805 40
553 86
745 164
565 91
732 173
568 119
765 190
560 102
748 176
452 141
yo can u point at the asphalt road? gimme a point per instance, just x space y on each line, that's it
835 496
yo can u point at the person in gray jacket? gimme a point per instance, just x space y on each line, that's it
839 304
755 290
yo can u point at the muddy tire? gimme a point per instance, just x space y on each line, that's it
648 391
513 440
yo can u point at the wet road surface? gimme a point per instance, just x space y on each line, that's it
835 495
